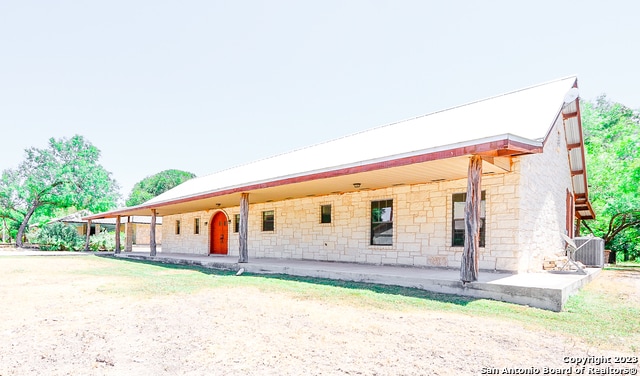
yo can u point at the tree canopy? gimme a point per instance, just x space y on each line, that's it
64 174
612 142
153 185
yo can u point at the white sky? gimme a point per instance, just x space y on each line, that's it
206 85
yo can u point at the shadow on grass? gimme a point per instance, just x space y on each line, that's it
351 285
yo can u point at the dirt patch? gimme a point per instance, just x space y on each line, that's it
66 323
622 283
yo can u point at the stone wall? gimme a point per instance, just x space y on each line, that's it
143 233
545 179
422 228
187 241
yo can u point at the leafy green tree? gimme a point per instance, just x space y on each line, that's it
64 174
153 185
612 141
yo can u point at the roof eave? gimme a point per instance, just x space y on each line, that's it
495 146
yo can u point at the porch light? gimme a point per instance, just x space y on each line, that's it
217 204
356 185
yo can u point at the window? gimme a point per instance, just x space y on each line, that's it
177 227
382 222
267 220
325 213
459 201
236 223
196 226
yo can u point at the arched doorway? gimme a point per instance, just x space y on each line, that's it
219 234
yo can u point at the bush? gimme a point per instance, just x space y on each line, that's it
59 237
104 241
62 237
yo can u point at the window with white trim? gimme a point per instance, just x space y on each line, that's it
382 222
459 201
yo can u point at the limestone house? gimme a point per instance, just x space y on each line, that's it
395 194
137 226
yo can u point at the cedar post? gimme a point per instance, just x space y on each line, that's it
117 234
244 221
86 242
128 247
152 234
469 267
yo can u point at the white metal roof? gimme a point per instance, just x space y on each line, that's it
522 118
527 114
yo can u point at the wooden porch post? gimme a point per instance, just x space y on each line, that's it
244 221
152 234
128 247
469 267
86 242
117 234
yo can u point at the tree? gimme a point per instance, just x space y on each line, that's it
153 185
612 142
64 174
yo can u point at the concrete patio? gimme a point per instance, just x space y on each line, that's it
544 290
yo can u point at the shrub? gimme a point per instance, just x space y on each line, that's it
104 241
59 237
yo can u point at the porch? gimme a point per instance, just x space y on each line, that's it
543 290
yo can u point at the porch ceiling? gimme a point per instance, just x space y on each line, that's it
415 173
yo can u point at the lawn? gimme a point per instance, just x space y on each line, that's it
595 314
71 312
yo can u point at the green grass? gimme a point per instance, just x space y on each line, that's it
595 316
627 264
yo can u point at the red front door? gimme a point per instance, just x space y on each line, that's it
219 242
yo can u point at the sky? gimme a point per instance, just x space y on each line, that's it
206 85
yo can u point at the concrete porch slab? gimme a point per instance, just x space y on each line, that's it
544 290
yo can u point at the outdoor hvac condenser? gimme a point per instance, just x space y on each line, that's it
590 251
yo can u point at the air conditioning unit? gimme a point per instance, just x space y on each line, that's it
590 251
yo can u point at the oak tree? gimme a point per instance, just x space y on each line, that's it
153 185
64 174
612 142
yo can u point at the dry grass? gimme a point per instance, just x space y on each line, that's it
97 316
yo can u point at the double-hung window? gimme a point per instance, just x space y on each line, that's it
382 222
236 223
325 213
268 220
459 202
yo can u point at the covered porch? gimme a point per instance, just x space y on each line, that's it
543 290
231 189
